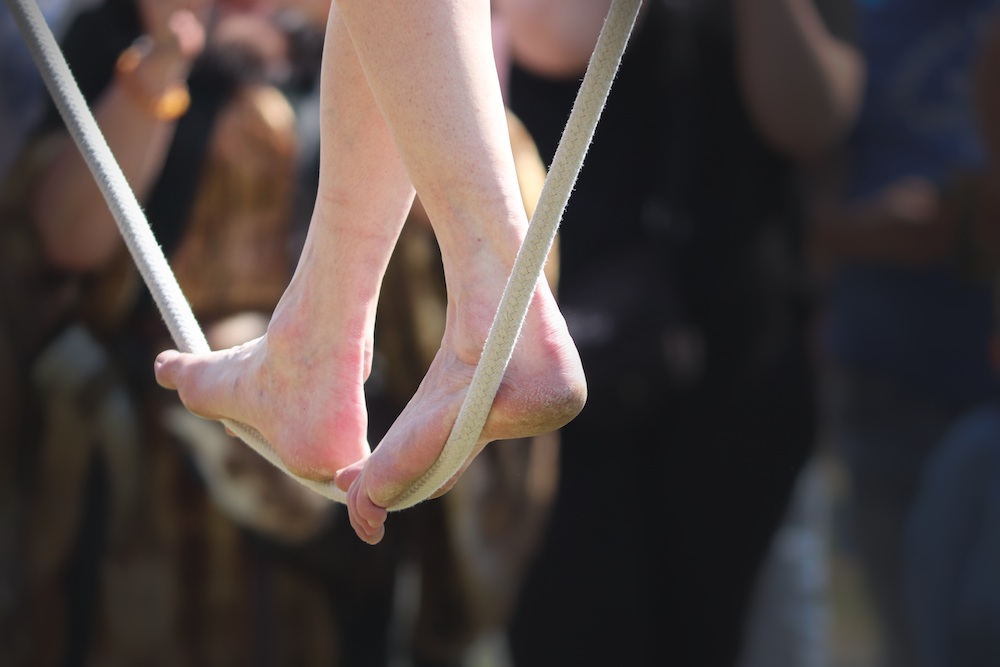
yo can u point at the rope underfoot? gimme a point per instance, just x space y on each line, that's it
499 346
528 266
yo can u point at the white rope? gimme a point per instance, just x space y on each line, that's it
499 346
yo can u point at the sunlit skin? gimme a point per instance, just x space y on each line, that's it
410 102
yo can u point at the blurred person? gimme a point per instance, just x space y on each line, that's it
790 614
683 282
900 235
953 531
398 118
22 91
952 544
136 531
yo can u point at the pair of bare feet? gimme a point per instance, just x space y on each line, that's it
301 386
410 101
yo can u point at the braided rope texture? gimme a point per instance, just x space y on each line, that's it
499 346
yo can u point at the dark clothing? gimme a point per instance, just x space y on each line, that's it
682 281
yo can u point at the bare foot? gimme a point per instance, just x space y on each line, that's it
543 389
313 415
300 384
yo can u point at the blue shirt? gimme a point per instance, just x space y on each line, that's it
926 327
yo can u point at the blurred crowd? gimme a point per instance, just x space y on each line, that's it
782 250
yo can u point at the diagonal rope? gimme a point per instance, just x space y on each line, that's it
499 346
132 223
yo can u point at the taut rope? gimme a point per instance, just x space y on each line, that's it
176 311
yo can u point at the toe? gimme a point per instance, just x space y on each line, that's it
367 518
166 368
346 476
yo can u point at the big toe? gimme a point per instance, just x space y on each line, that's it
345 477
167 367
197 387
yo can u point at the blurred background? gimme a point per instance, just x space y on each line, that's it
779 264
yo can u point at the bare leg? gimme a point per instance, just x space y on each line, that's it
430 68
446 112
301 384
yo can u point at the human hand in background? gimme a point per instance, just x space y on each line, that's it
906 223
176 26
910 223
